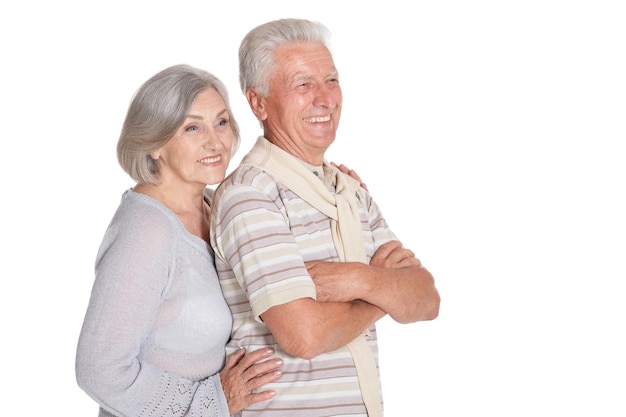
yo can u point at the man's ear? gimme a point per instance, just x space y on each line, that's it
257 104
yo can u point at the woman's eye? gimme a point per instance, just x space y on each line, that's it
191 128
223 122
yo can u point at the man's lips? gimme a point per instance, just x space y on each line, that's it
318 119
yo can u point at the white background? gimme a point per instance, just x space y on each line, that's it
490 132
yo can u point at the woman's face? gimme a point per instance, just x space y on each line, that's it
200 150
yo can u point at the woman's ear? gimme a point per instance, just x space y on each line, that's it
257 104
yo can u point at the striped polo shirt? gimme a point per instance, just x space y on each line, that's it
262 234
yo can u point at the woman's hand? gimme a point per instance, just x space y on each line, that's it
244 373
350 172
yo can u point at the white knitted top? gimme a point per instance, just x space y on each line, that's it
153 338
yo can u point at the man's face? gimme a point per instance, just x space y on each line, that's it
303 107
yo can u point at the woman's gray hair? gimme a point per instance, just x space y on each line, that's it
156 111
256 52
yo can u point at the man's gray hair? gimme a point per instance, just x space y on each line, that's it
256 52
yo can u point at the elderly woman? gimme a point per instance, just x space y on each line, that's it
154 335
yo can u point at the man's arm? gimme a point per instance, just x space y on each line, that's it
395 281
306 328
251 236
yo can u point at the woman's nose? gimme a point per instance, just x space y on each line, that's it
212 141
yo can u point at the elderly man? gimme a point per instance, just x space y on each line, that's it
306 261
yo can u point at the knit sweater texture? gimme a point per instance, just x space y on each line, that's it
153 337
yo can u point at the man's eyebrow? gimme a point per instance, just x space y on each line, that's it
297 78
302 77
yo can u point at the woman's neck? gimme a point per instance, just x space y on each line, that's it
190 207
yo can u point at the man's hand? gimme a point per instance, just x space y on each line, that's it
336 281
243 374
394 255
348 281
395 281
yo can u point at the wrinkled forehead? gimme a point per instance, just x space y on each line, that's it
303 59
